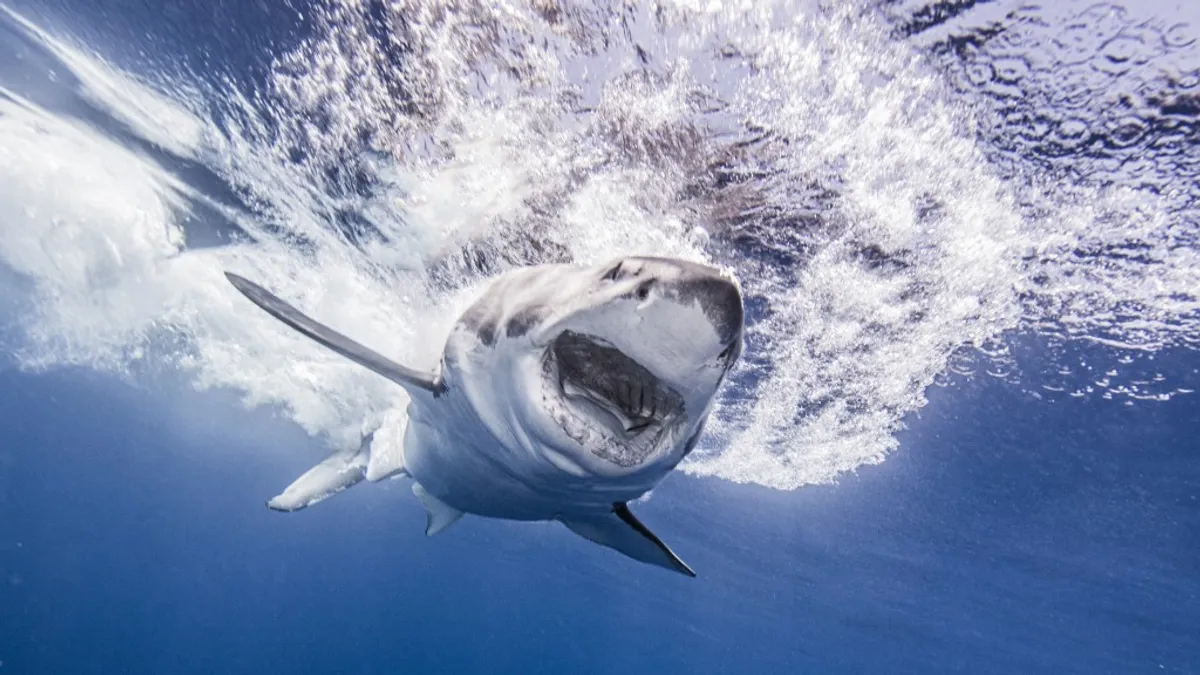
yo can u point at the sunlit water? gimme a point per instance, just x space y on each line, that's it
901 189
990 205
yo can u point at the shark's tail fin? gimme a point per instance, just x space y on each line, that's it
336 473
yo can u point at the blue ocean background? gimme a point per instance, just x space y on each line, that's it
1013 527
1007 537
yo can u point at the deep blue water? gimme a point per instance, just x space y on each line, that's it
1008 535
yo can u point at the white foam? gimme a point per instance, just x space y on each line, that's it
546 127
92 225
166 122
95 229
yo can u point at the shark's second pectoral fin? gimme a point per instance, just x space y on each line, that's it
413 381
328 478
623 532
440 515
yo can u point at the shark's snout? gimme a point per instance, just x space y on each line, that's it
721 300
717 292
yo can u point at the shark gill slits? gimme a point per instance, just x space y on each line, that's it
487 334
523 321
481 321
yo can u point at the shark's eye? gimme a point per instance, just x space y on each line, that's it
727 352
643 289
613 274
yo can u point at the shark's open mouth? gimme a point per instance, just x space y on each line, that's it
608 402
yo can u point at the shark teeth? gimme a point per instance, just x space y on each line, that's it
606 402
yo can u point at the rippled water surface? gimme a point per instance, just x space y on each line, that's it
901 189
920 199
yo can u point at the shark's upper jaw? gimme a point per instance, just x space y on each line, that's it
607 402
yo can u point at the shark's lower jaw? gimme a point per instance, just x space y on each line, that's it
610 404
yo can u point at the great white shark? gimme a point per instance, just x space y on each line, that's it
563 393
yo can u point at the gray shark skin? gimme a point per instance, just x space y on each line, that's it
563 393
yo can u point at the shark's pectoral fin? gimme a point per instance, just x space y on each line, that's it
440 515
387 459
623 532
406 377
328 478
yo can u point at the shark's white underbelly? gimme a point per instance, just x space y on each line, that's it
453 455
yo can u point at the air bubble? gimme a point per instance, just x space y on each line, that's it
1078 89
1127 131
1011 69
1076 44
980 73
1072 129
1180 35
1104 21
1118 55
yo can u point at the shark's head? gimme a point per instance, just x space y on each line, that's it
612 368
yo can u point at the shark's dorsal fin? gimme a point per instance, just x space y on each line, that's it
440 514
622 531
411 380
